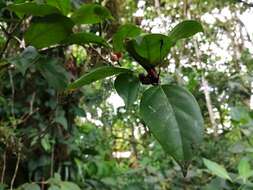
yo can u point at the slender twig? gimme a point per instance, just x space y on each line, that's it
4 168
26 116
12 93
16 171
101 56
32 102
52 162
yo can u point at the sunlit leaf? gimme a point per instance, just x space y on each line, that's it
185 29
124 31
216 169
244 169
91 14
63 5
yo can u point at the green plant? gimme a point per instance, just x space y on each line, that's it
171 112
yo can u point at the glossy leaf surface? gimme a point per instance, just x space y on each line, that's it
174 118
150 49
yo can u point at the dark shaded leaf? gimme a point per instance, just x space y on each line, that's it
49 30
85 38
23 61
53 72
33 9
127 86
97 74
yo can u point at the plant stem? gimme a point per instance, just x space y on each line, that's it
4 168
16 171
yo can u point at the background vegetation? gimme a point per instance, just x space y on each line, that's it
86 138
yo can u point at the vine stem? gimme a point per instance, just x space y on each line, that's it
4 168
12 93
52 162
16 171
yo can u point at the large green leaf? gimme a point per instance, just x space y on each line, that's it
174 118
216 169
97 74
85 38
30 186
65 185
63 5
125 31
244 169
91 14
33 9
149 49
23 61
185 29
127 86
49 30
56 76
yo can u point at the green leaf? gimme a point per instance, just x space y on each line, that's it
60 118
174 118
63 5
91 14
85 38
56 76
33 9
244 169
54 187
217 169
45 143
185 29
3 186
97 74
23 61
124 32
127 86
149 50
65 185
49 30
30 186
